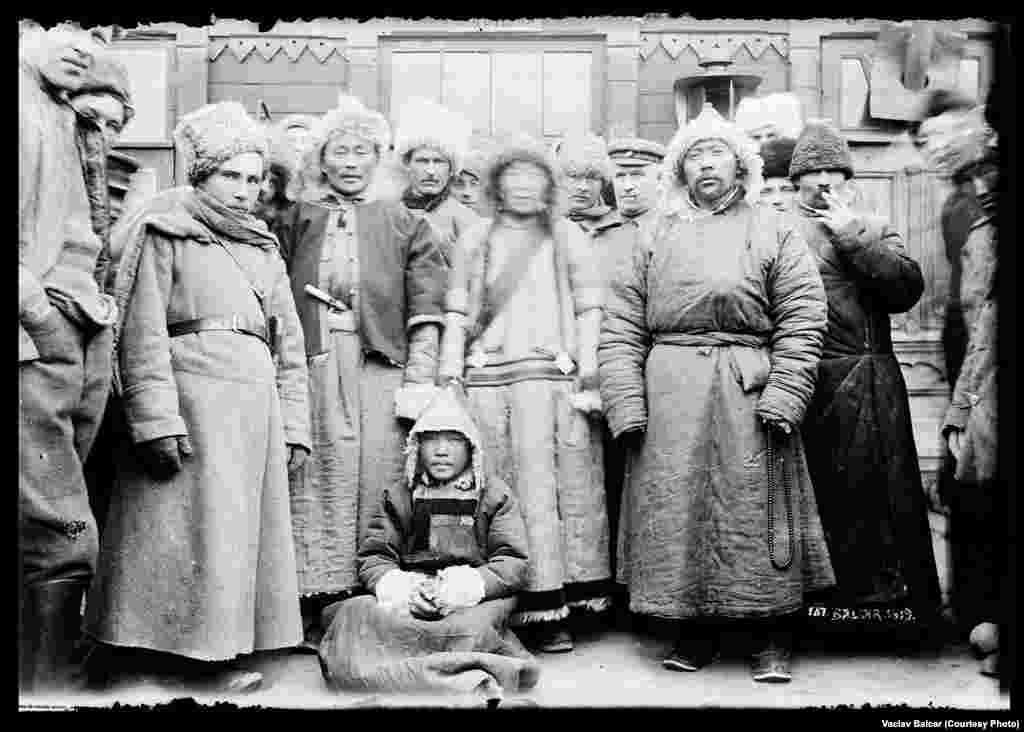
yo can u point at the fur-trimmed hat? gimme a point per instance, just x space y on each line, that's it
350 116
783 110
820 147
777 154
710 125
107 75
215 133
581 154
425 123
446 412
635 151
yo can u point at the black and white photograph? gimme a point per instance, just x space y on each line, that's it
638 360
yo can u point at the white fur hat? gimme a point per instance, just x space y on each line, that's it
424 123
782 110
583 153
710 125
215 133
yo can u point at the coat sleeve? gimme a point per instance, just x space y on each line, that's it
150 392
624 343
587 283
380 551
799 311
504 573
456 303
876 252
426 274
292 374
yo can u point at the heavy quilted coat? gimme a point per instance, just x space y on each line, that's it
202 564
717 322
859 438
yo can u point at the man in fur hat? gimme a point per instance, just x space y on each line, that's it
468 185
858 433
778 191
64 350
430 141
770 117
583 163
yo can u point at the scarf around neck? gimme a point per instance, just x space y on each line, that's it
464 481
226 222
422 202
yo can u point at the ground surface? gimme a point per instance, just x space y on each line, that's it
615 668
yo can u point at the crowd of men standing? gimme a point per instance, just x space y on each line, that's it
483 381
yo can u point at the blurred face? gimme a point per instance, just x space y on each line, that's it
522 187
986 181
236 183
709 170
935 134
467 189
778 193
812 185
764 134
635 187
349 163
444 455
271 194
429 171
584 190
66 54
106 110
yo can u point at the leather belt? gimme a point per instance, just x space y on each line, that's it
234 323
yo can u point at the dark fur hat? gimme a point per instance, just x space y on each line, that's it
777 155
820 147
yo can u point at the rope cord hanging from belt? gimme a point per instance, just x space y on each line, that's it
787 497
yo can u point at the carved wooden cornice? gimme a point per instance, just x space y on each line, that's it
710 45
268 46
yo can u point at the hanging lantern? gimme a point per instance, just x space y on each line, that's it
719 84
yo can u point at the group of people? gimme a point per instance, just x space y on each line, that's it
404 400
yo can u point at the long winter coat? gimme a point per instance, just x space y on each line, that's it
202 564
355 373
859 438
717 322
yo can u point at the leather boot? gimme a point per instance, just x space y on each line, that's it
51 617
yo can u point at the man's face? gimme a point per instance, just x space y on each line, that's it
107 111
709 170
236 183
635 187
467 189
271 195
584 190
522 188
778 193
444 454
67 53
811 187
429 171
985 177
349 163
766 133
935 133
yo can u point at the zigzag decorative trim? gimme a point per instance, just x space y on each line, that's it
703 43
268 47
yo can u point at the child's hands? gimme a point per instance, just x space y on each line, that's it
423 601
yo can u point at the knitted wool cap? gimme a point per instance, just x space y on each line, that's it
424 123
710 125
783 110
213 134
820 147
777 155
582 154
107 75
635 151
